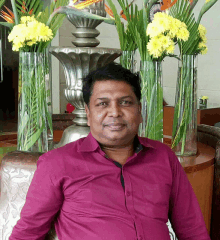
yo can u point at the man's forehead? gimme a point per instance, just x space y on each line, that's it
110 86
109 97
112 89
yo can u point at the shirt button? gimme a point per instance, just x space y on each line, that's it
128 193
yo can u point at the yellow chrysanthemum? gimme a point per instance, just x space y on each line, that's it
204 39
159 15
29 32
203 52
173 30
162 31
183 34
26 19
154 47
202 30
162 19
165 41
171 48
159 25
44 32
154 29
205 97
203 48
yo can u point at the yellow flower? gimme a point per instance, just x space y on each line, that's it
154 29
162 19
204 39
29 33
173 29
183 34
207 1
154 47
203 52
202 30
165 41
26 19
162 31
160 24
170 49
203 48
159 15
204 97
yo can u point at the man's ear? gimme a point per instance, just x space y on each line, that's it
87 114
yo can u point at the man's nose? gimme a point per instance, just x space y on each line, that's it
115 110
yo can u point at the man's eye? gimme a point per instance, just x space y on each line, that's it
102 104
126 102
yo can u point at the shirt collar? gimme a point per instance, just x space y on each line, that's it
90 144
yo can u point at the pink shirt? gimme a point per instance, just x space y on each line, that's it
85 189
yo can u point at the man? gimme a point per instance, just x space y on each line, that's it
111 185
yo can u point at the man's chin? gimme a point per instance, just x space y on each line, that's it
115 139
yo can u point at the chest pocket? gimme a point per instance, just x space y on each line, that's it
156 201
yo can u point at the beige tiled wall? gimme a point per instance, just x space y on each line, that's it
208 65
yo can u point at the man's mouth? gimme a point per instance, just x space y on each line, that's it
115 126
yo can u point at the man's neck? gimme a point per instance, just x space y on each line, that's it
119 155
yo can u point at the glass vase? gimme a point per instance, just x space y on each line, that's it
185 113
127 60
152 100
35 132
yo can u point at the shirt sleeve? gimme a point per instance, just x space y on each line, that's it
185 214
43 201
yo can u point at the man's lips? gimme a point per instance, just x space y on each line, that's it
115 126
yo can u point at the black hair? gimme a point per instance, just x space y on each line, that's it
112 71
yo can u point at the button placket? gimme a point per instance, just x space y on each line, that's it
130 206
128 194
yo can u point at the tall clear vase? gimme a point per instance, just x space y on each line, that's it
35 132
152 100
127 60
185 113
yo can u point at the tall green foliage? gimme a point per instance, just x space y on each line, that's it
183 10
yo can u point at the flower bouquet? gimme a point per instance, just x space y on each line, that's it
32 30
185 112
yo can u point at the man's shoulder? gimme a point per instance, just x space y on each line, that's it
156 145
70 149
162 152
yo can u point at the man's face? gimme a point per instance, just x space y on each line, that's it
114 113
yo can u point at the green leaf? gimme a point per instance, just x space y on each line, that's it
2 2
69 10
205 8
182 10
118 23
6 24
36 5
33 138
14 9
